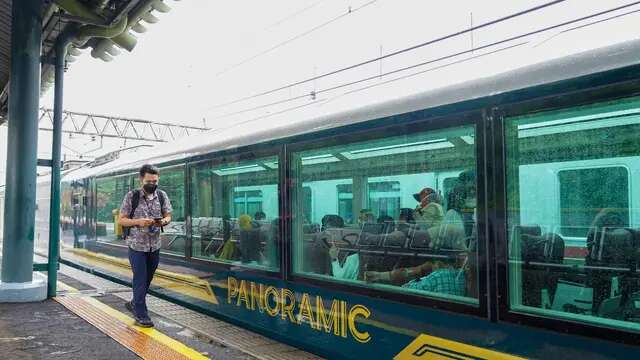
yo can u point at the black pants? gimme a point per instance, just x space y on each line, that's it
144 265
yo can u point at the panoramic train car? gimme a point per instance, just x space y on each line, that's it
498 218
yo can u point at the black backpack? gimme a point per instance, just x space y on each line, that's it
135 200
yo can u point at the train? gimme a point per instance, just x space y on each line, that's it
497 218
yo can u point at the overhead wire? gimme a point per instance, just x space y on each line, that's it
294 14
586 25
299 36
446 57
326 100
373 77
395 53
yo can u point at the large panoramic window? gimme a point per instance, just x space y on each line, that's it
573 217
173 237
235 212
109 195
373 213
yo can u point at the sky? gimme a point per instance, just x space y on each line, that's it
205 53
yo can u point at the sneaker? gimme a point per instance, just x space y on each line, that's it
129 306
145 323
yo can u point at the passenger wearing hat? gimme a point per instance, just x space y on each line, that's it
425 197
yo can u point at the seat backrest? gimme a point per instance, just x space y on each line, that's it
195 225
395 240
316 254
540 253
547 248
613 254
370 235
419 240
613 247
520 230
554 248
389 226
203 226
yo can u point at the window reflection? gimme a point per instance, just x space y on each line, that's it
397 213
235 214
573 215
173 236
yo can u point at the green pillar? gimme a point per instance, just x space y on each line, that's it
56 147
22 149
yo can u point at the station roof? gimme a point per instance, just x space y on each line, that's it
5 44
59 14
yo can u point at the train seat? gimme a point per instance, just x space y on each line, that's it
540 256
613 264
195 226
519 231
369 246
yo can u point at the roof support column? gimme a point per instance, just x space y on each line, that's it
17 282
56 147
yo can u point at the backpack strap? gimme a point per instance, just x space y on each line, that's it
162 201
161 197
135 200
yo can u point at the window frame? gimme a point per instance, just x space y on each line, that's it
397 125
219 158
588 90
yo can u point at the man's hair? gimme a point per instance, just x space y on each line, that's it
149 169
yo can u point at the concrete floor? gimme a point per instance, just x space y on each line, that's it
47 330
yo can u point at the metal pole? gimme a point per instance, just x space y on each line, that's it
54 208
22 149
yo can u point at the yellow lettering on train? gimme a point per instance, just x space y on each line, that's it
288 306
272 311
232 288
358 310
243 294
343 319
334 316
338 319
257 295
305 312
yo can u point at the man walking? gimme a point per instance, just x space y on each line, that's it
143 213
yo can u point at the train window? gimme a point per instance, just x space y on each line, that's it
384 198
377 217
174 238
584 191
573 219
109 193
235 212
73 213
247 202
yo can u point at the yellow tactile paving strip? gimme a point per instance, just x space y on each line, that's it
252 344
147 343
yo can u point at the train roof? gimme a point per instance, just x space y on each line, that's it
307 119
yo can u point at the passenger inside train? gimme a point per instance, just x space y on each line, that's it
425 249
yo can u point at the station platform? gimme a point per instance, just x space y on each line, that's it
88 319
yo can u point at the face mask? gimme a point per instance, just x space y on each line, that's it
150 188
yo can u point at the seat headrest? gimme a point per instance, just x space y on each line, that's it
534 230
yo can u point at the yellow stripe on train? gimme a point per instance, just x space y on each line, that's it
426 347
